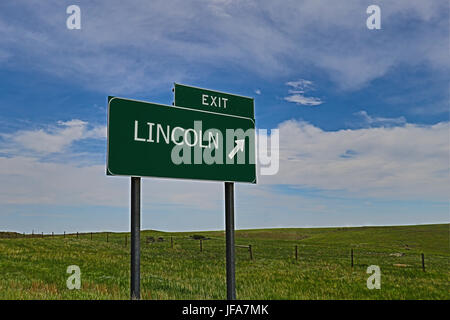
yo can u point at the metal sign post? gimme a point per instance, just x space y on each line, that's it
229 235
135 238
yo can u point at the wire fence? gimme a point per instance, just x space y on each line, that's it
251 249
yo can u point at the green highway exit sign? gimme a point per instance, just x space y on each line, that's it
153 140
214 101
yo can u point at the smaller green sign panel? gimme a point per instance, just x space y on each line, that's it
152 140
214 101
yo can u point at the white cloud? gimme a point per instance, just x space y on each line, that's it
72 185
99 132
434 109
54 139
300 86
164 41
297 96
301 99
402 162
381 120
258 92
409 161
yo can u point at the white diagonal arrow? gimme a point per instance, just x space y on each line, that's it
239 147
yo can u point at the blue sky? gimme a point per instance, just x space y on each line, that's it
363 114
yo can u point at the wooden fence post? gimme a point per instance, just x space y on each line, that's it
201 245
52 234
64 234
296 252
250 251
107 236
352 257
91 235
42 234
77 234
125 240
423 262
171 242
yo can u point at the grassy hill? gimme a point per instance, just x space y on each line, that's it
35 267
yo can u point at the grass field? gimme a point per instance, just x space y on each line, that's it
35 268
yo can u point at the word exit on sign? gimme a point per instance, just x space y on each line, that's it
214 101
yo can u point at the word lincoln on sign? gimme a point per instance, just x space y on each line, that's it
215 101
165 134
153 140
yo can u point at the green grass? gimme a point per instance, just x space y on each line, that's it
35 268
